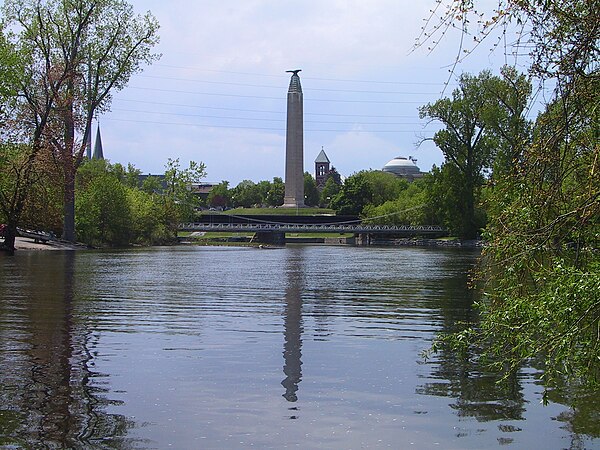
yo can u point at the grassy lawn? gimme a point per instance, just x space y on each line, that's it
275 211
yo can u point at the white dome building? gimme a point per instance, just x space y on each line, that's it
403 167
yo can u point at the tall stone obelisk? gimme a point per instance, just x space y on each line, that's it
294 145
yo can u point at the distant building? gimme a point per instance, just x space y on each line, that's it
404 167
201 189
322 167
98 150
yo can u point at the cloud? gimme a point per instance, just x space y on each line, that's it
232 156
218 94
277 34
354 151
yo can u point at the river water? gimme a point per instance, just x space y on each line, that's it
219 347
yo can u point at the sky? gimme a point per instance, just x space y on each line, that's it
218 93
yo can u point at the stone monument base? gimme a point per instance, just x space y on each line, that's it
293 204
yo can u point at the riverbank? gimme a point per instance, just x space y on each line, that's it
421 242
22 243
231 239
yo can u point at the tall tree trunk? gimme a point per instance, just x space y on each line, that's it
10 233
14 203
70 168
69 206
469 224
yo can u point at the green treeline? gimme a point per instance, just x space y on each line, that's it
113 207
539 191
61 62
485 131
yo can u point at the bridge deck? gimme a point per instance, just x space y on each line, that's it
314 228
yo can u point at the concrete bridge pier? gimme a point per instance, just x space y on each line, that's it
269 237
363 238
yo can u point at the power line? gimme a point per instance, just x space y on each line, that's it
272 98
253 128
228 83
386 82
261 110
209 116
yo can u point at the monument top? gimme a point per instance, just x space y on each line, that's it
295 86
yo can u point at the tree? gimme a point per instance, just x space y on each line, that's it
43 206
353 196
15 168
21 132
384 186
148 221
179 200
330 190
245 194
443 196
129 177
262 188
542 271
103 213
276 193
544 233
363 188
409 208
466 141
94 46
508 121
152 185
219 195
333 173
311 192
10 63
110 211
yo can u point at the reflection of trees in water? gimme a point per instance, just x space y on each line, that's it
46 392
480 394
293 326
477 394
583 415
461 375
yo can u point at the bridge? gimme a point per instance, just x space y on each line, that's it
403 230
274 232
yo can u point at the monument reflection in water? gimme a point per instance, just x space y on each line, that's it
292 349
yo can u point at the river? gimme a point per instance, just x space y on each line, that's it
220 347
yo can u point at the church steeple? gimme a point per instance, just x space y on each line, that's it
98 152
321 169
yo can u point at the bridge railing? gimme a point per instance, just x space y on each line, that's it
312 228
